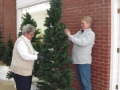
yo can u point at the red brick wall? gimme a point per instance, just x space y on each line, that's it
1 15
99 10
9 18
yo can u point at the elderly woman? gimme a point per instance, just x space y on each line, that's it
23 59
83 42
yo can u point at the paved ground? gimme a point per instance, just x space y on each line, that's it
9 84
6 85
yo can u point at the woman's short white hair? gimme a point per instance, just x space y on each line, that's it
28 28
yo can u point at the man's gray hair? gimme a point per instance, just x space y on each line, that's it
28 28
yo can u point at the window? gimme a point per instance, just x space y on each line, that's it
38 13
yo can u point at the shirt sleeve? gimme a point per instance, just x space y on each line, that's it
23 51
87 39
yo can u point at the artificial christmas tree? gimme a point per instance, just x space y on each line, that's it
2 46
7 57
8 52
54 72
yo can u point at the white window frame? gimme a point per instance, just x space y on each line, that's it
114 44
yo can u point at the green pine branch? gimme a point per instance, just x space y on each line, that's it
2 46
55 72
8 51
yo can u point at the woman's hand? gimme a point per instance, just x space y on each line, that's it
67 31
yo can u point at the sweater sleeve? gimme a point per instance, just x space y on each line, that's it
87 39
22 50
70 39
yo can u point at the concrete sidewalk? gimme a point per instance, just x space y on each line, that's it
6 85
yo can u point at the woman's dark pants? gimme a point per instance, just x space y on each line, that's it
22 82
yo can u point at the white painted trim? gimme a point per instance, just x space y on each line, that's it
114 45
18 20
34 2
118 46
